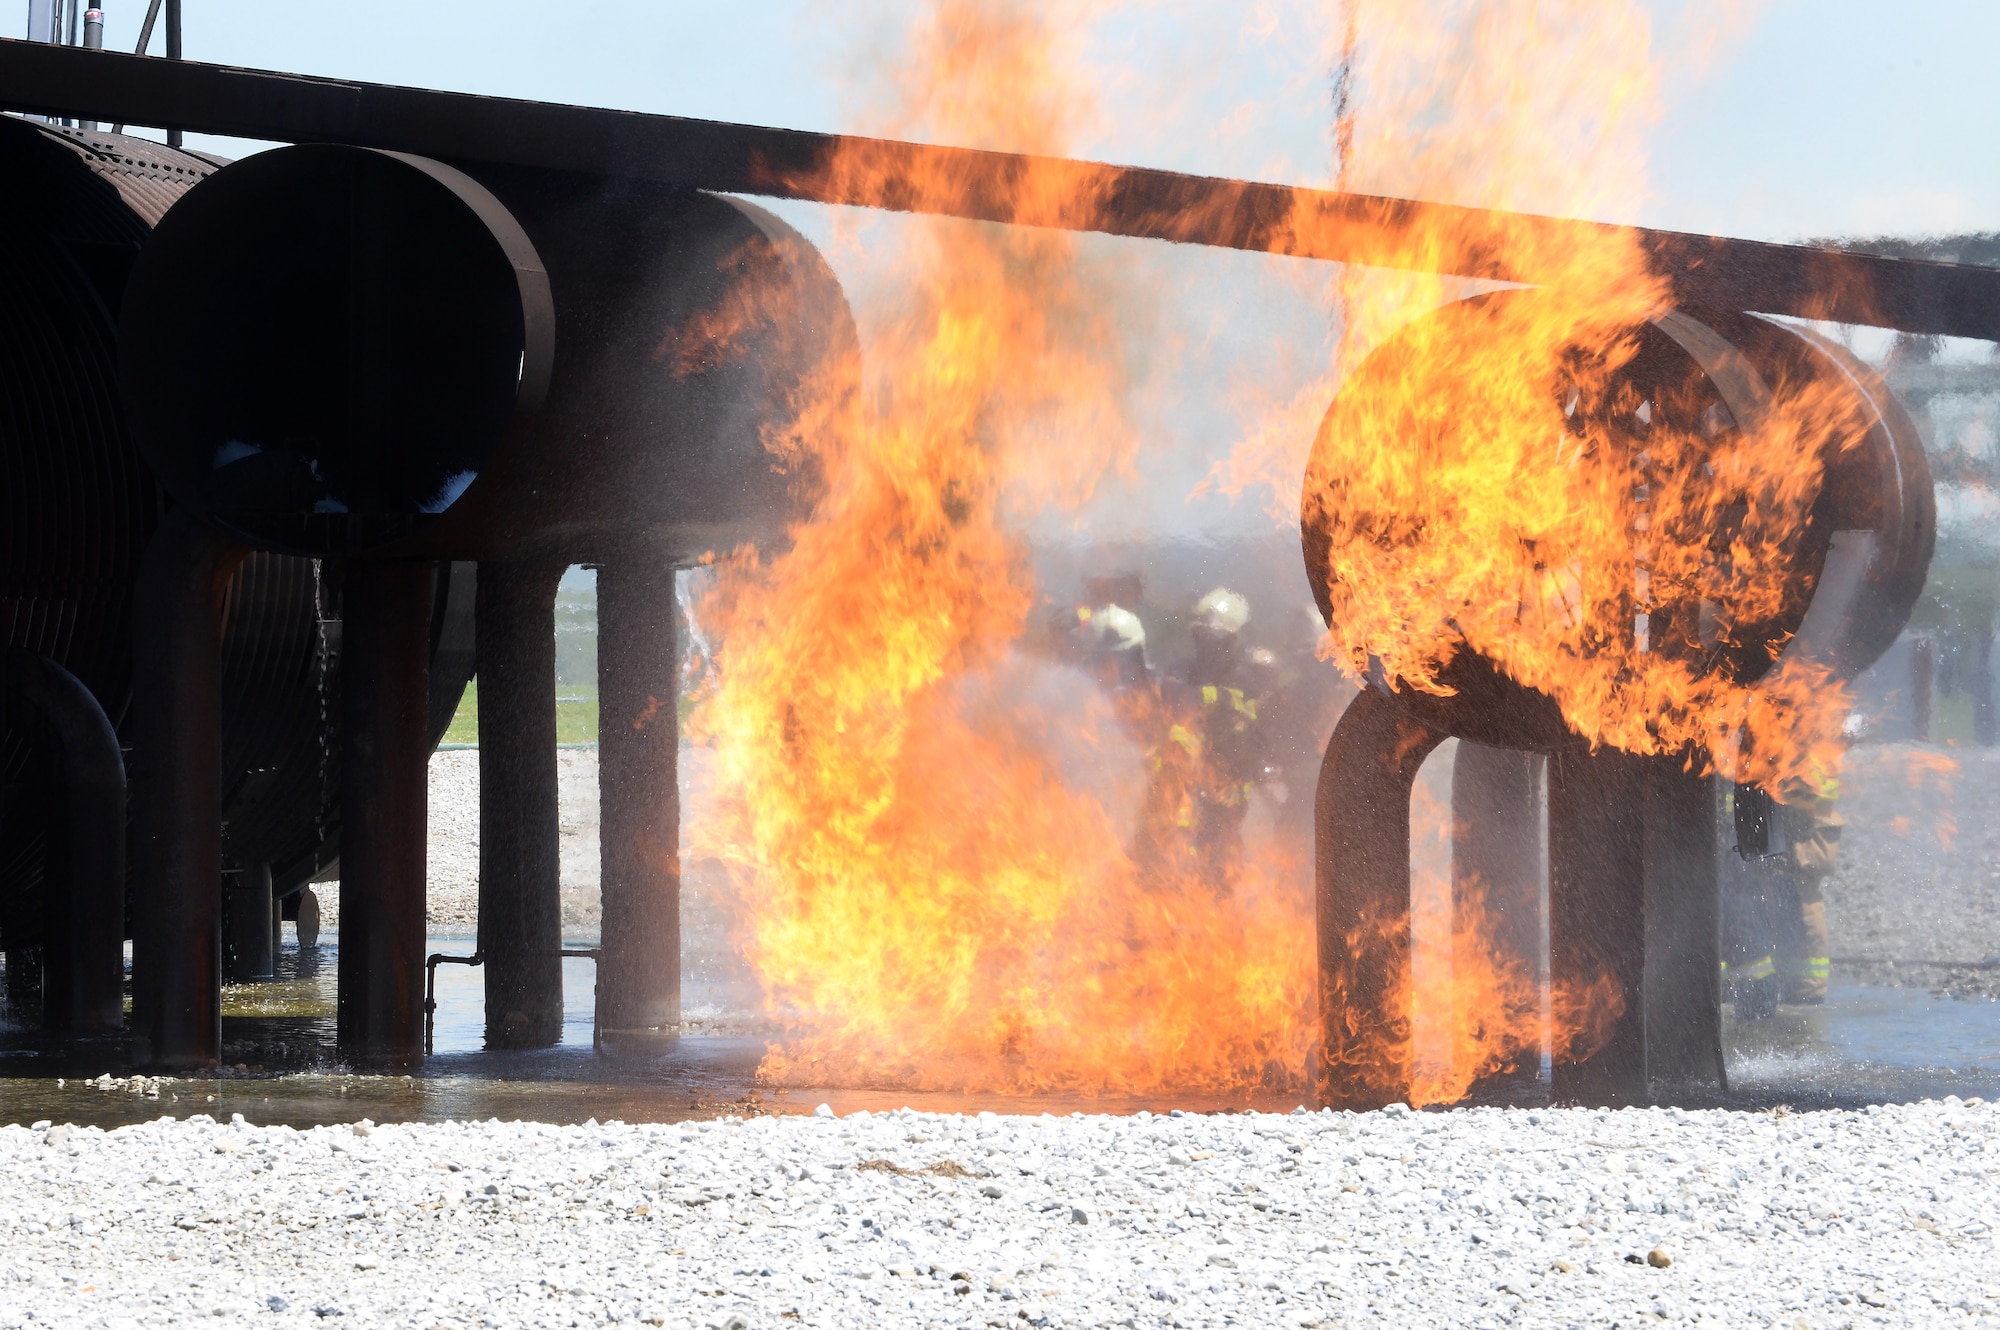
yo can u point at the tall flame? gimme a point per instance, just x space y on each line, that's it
941 885
936 900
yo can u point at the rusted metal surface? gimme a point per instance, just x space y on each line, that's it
638 754
176 794
1912 295
385 792
520 835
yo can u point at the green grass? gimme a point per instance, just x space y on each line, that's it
464 727
576 717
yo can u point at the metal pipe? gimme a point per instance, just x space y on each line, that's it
638 753
385 697
174 53
175 785
93 40
83 904
146 28
520 835
438 958
145 40
431 964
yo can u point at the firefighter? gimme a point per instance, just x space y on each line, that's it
1230 740
1116 644
1775 932
1812 824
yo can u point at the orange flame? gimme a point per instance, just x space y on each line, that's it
939 892
935 899
1501 478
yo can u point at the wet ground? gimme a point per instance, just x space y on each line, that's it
1867 1044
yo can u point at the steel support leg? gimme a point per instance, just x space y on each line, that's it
1683 986
1597 924
385 752
176 793
638 753
1499 824
249 952
1362 862
520 848
1634 897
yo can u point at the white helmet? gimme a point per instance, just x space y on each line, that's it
1222 611
1115 628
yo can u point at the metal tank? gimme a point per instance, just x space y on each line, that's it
398 362
79 507
1629 842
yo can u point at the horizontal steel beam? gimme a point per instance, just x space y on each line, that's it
1913 295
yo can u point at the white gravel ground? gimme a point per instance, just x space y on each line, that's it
1485 1217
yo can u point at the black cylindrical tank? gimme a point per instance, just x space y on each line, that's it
393 358
78 505
1703 375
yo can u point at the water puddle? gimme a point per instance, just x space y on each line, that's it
1866 1044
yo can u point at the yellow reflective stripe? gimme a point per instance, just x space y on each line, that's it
1762 968
1181 736
1208 694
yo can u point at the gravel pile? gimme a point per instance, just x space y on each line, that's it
1916 898
1483 1217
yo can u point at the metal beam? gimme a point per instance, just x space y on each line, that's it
1912 295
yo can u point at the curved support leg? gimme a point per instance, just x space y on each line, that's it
83 930
1362 862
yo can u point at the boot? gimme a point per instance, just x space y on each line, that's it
1806 976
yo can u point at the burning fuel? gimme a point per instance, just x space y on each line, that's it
936 892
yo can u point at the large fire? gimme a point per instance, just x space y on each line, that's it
935 900
939 885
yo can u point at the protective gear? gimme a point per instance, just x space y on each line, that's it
1812 831
1115 638
1208 761
1774 910
1114 628
1222 611
1219 617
